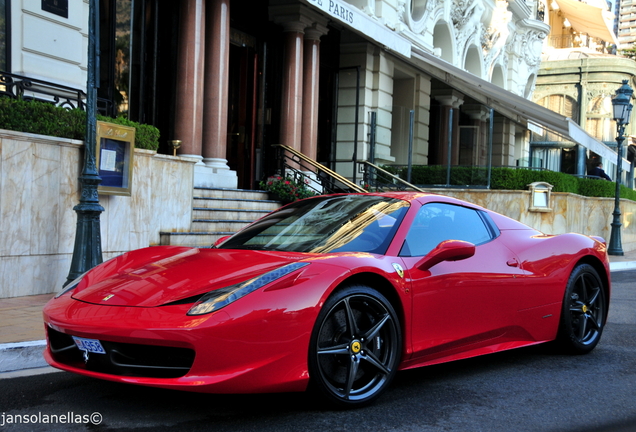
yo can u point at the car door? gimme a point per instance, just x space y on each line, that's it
459 306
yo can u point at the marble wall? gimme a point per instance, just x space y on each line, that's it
38 189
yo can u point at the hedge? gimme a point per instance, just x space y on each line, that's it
510 179
47 119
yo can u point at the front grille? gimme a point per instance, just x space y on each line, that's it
125 359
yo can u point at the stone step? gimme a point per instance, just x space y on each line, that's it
230 193
242 204
220 212
191 239
217 225
228 214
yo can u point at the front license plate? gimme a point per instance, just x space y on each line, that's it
89 345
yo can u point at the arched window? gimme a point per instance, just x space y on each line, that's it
599 122
561 104
443 41
418 7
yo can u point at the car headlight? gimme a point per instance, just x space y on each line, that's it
215 300
72 285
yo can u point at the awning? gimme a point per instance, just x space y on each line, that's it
508 104
585 18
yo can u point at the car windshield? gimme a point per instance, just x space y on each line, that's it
340 223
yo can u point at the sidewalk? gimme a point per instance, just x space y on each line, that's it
22 336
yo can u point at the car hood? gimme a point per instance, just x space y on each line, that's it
160 275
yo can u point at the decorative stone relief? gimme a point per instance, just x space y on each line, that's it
466 17
401 10
495 37
596 90
531 46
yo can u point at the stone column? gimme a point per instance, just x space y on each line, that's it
311 77
292 107
503 146
217 61
479 116
189 106
450 100
581 152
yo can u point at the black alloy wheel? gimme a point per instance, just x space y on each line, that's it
355 346
584 311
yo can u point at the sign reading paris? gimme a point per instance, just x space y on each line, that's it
335 8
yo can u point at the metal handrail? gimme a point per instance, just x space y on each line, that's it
31 89
319 168
22 87
392 176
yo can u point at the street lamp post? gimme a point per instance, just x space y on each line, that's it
622 106
87 252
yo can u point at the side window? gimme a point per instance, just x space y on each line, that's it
436 222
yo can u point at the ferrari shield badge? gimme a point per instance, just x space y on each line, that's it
398 268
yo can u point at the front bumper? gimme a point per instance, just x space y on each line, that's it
240 349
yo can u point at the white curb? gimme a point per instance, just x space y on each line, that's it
22 355
625 265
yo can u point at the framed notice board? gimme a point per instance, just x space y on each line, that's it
57 7
114 157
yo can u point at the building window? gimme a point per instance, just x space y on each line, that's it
599 119
562 104
550 150
115 46
5 18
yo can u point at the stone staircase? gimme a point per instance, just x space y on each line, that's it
220 212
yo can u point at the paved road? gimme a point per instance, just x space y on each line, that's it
523 390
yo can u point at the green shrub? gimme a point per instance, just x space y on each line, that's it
41 118
519 179
47 119
597 188
509 179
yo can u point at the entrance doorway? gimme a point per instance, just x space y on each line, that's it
242 103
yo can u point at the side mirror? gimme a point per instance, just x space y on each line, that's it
220 240
448 250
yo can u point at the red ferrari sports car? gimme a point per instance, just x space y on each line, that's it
339 291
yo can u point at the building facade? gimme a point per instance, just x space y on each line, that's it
626 17
579 74
307 73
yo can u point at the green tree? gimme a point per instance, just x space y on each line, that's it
629 52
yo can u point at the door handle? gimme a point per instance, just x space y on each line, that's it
512 262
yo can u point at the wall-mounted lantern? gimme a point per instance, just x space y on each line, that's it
540 197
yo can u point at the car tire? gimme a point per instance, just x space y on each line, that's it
355 347
584 311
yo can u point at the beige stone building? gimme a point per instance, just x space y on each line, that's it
580 72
